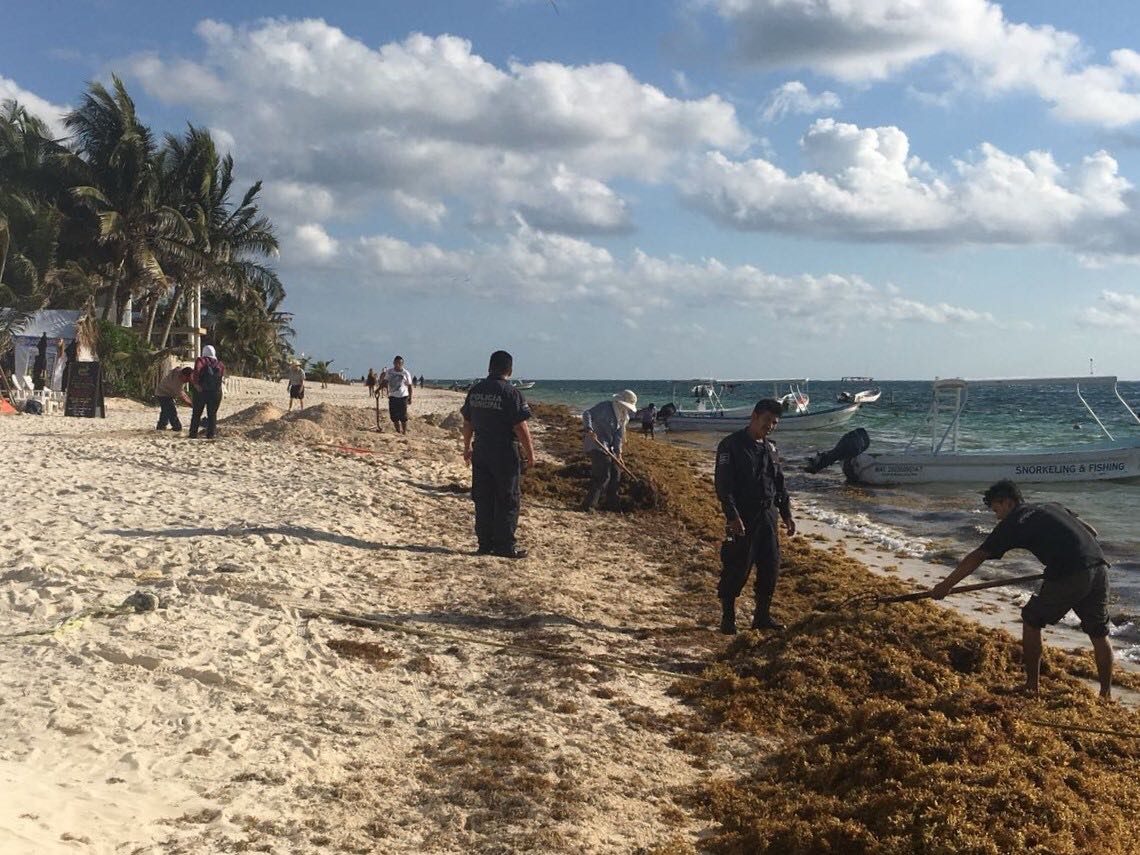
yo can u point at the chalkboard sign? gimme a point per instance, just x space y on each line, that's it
85 390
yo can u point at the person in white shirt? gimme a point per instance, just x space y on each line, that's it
399 394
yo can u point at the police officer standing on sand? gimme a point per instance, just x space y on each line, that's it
496 414
750 486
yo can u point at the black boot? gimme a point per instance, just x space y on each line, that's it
728 617
763 621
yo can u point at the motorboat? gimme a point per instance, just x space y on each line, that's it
867 396
727 421
942 461
523 384
711 414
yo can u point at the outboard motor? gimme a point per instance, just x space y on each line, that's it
850 445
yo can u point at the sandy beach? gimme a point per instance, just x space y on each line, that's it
235 717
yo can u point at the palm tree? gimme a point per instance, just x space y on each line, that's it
124 191
230 238
322 372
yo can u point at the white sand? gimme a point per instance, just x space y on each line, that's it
224 720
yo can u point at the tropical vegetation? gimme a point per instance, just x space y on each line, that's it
113 220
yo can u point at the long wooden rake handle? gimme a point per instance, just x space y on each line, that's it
613 457
961 589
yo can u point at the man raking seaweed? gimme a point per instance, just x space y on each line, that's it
1076 574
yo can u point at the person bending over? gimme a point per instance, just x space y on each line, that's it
1076 574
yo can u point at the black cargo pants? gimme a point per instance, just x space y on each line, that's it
496 489
760 546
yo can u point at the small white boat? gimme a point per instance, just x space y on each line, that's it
711 415
867 396
1101 461
726 421
523 384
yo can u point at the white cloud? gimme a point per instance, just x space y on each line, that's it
417 210
1116 311
877 39
863 183
428 118
794 97
312 242
51 114
533 266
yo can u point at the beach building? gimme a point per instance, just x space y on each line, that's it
56 324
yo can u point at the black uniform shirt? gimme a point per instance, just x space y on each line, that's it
494 407
1052 533
748 477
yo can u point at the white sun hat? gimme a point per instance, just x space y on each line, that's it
627 399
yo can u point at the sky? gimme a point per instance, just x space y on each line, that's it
659 188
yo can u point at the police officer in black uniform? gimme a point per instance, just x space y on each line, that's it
750 486
495 414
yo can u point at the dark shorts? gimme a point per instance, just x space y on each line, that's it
1085 592
398 409
297 391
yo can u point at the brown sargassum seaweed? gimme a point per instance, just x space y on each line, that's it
898 733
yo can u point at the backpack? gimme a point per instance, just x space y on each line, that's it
210 376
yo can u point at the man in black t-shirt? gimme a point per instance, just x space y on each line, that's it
495 415
1076 574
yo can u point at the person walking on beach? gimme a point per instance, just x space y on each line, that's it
296 379
370 382
750 487
382 383
605 425
207 382
648 420
399 394
495 415
172 385
39 365
1076 574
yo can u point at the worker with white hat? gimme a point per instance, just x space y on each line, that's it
605 425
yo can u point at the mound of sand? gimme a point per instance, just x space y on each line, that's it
290 430
255 416
452 421
336 421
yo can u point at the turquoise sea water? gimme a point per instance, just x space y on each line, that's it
940 521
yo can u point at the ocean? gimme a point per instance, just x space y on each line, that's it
939 522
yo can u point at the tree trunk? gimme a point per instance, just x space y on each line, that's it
151 314
3 245
113 303
174 305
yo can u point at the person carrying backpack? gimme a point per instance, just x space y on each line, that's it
207 383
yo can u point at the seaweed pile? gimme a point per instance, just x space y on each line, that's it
901 735
666 480
899 732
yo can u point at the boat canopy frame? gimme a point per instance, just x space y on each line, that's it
950 396
714 387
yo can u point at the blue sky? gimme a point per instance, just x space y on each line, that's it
904 188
